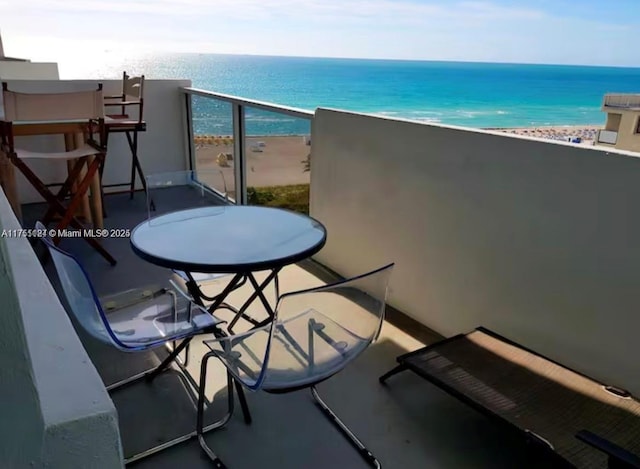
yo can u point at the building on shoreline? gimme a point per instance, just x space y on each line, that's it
622 128
12 68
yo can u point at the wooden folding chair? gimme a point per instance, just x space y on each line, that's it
53 112
124 121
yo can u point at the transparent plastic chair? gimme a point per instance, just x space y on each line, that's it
131 321
315 334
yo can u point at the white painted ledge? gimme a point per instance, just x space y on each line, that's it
58 413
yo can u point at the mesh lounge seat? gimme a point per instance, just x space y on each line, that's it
315 334
568 415
131 321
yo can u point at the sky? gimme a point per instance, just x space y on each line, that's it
587 32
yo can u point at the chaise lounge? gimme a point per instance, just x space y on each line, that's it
571 419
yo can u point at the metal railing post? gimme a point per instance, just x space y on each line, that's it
189 135
238 111
239 153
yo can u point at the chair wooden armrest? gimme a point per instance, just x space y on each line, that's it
619 458
123 103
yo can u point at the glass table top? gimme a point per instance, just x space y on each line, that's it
227 239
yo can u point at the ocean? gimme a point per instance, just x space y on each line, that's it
457 93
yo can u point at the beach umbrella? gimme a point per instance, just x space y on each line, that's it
221 159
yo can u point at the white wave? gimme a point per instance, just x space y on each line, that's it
433 120
409 114
471 114
427 113
268 119
387 113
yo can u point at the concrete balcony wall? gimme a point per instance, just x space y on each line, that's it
19 70
160 148
55 410
536 240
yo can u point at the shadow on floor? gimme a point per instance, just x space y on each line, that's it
408 424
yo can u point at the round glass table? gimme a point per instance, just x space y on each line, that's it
228 239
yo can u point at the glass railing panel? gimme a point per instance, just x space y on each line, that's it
277 148
213 143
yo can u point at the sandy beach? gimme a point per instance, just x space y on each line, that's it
279 160
271 161
586 133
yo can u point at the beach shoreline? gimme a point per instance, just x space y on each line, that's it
585 133
278 160
271 160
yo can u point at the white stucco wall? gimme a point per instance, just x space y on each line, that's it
56 412
16 70
536 240
160 148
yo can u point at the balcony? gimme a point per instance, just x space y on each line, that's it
621 101
287 431
534 239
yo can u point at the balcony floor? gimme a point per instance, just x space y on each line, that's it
407 424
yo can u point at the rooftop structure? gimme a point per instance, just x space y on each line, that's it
622 128
12 68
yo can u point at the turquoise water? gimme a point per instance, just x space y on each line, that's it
468 94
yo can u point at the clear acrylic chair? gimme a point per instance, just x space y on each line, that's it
179 190
315 334
132 321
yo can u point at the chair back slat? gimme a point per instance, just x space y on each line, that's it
53 106
133 88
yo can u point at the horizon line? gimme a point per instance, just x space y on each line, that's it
381 59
